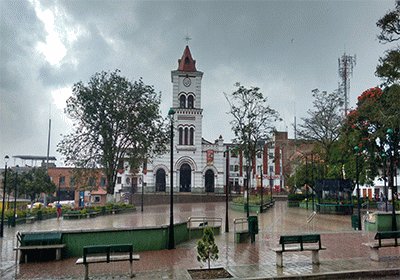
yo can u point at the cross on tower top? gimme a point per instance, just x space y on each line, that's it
187 38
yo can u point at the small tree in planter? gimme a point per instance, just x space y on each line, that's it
207 250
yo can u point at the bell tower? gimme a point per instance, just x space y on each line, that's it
186 101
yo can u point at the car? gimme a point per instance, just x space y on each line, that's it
35 205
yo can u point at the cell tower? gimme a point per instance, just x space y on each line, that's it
346 64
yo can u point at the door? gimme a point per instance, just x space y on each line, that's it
185 178
209 181
160 180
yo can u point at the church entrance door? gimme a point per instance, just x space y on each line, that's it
185 178
160 180
209 181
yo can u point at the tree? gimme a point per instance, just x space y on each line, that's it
377 111
389 66
324 123
253 122
207 250
34 182
115 119
390 26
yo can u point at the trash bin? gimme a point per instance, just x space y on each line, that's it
354 221
253 224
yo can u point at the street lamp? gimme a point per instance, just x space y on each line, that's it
383 155
59 188
357 150
227 189
389 133
4 197
262 188
171 239
15 197
270 184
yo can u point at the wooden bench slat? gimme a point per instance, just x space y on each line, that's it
113 258
39 247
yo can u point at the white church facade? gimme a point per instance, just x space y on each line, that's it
199 166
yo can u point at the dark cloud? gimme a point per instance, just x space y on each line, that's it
286 48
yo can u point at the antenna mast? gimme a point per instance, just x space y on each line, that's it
346 64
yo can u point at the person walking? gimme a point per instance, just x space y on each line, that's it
59 210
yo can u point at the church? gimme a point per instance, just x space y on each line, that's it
199 166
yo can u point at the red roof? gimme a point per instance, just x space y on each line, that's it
100 191
187 63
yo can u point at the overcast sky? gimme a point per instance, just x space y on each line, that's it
287 48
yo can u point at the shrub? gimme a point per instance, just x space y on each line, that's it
207 250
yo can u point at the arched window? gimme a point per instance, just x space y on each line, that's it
190 101
180 136
191 136
186 135
182 101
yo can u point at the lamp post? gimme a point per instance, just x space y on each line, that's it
4 197
312 180
15 197
270 184
306 182
171 238
227 190
390 133
383 155
59 188
262 188
357 150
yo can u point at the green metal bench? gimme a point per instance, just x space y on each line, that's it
73 214
306 242
107 254
383 239
37 242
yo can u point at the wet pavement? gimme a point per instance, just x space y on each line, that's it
344 258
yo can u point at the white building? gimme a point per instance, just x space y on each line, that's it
198 165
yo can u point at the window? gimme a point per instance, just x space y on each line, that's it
182 101
92 181
72 182
236 168
190 101
103 181
258 154
180 136
96 198
118 180
191 138
271 155
271 169
186 135
62 180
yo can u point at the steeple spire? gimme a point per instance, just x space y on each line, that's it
187 63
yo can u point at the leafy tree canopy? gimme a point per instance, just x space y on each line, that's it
388 68
34 182
114 119
253 119
324 122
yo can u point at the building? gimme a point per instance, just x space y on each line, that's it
83 186
199 165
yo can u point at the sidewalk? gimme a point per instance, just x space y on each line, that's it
344 258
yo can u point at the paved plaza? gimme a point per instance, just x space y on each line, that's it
344 258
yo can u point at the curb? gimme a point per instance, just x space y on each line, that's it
341 274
